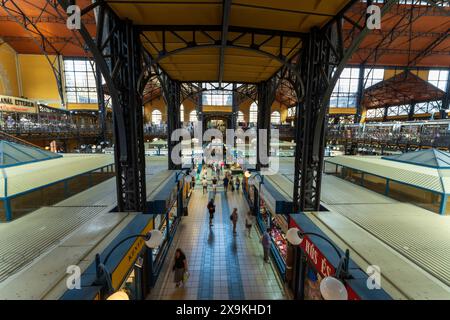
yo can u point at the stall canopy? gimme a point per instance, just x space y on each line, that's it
402 89
14 154
432 158
426 170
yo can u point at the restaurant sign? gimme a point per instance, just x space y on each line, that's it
13 104
320 262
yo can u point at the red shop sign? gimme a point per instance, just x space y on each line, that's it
321 264
319 261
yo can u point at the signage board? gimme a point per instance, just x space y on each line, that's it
13 104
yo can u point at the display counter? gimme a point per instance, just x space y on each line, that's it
278 225
271 209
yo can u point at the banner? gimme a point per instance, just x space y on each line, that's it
13 104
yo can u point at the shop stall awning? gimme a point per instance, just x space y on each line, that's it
432 158
163 193
277 201
28 177
418 176
403 89
14 154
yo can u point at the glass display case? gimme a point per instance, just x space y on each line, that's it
278 227
278 233
133 284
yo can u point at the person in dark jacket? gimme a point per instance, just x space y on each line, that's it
211 209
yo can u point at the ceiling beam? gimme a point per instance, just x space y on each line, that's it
218 28
45 19
429 49
226 8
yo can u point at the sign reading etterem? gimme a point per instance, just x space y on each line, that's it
13 104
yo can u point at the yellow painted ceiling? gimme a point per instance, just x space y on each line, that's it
240 65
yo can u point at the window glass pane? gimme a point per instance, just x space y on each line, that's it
253 113
275 118
240 117
182 113
193 116
156 117
70 79
80 83
68 65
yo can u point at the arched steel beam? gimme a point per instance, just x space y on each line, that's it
282 61
16 14
347 54
104 68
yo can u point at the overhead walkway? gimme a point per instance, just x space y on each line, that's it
410 244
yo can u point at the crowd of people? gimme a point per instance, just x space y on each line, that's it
230 183
35 125
437 135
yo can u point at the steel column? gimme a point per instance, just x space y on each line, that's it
446 100
266 96
118 55
126 68
316 72
360 95
235 108
172 96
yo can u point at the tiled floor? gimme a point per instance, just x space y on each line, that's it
222 266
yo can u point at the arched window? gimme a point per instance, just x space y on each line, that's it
193 116
291 112
240 117
156 117
182 113
253 113
275 118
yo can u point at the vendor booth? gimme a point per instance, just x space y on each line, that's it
271 209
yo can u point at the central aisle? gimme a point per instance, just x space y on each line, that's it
222 266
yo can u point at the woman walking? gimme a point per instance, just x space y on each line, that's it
180 267
249 221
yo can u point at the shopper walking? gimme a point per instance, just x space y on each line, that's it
180 267
234 219
266 241
214 185
232 183
238 183
249 221
205 185
211 209
225 183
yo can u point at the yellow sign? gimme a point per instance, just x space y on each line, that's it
13 104
127 262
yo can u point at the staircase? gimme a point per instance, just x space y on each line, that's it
7 137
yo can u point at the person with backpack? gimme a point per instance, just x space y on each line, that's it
211 209
234 219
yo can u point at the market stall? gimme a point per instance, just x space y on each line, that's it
168 205
271 209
